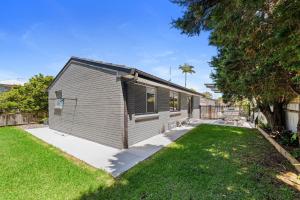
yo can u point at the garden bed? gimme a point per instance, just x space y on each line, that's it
287 149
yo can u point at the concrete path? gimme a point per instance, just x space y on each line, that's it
112 160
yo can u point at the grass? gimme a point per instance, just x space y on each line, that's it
210 162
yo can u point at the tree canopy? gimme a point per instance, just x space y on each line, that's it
207 95
187 69
258 46
32 97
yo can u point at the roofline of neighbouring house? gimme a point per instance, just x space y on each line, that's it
122 68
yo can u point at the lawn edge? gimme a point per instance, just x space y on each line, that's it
281 150
59 152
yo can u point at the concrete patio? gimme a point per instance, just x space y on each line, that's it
112 160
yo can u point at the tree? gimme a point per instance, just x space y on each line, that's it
207 95
186 68
258 49
32 97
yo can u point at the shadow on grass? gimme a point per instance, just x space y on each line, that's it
211 162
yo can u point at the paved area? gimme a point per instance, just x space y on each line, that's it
112 160
240 123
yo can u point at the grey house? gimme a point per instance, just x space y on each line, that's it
115 105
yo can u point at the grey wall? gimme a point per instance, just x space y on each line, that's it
140 98
141 130
196 102
98 114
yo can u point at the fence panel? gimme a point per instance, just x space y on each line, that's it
222 112
292 112
18 119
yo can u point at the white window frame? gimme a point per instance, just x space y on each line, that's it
155 99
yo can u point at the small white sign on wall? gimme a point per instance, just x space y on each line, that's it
59 104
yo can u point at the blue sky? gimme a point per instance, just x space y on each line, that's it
40 36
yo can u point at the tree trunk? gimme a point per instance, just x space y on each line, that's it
185 79
298 124
275 118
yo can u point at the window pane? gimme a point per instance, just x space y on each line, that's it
58 94
174 101
151 95
150 102
171 102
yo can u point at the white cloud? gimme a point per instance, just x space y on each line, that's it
9 76
18 81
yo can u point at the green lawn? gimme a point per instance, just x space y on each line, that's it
210 162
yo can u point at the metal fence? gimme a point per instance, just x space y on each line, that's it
12 119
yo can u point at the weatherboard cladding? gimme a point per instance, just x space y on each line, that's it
94 106
98 113
140 98
141 130
163 96
196 102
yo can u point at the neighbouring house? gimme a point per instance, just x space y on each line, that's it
5 87
115 105
9 84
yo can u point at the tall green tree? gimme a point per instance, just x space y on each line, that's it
32 97
186 69
258 48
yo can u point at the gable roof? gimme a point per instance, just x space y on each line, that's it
121 68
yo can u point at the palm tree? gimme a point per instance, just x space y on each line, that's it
186 68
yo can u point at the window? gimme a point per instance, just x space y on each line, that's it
174 101
150 100
58 94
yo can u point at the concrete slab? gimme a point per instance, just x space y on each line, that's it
112 160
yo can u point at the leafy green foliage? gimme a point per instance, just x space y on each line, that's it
296 153
258 48
187 69
288 138
207 95
32 97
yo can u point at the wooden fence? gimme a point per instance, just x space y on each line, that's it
19 119
291 115
221 112
292 112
